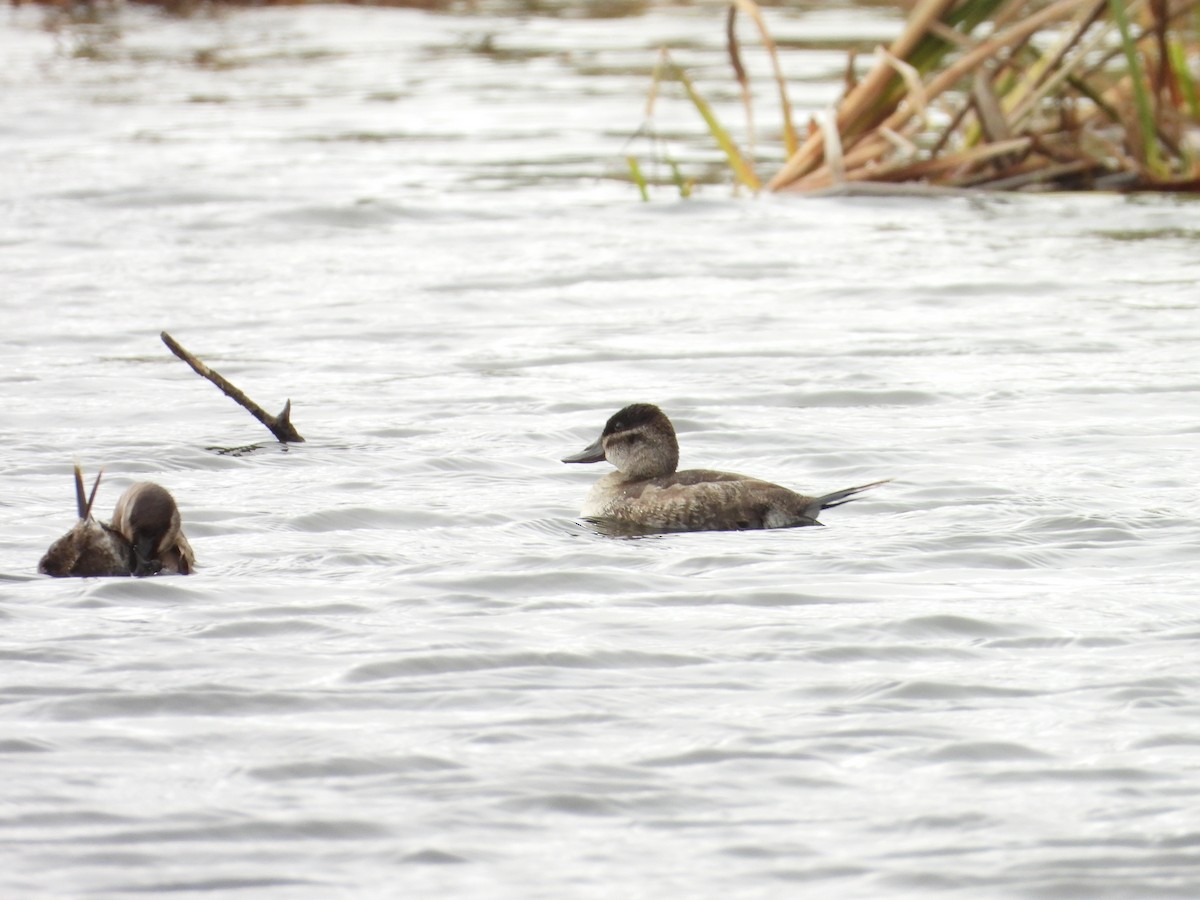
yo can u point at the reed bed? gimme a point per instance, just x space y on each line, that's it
992 94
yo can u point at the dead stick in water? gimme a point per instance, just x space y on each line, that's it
280 425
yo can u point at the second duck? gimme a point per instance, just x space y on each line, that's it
647 494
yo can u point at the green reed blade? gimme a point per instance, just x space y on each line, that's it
1141 93
742 169
1183 73
685 186
635 172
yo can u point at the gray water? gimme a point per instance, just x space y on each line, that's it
404 668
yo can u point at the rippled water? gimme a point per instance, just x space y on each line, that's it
404 669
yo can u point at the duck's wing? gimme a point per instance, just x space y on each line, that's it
703 500
703 476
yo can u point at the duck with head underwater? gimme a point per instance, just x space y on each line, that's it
646 493
145 537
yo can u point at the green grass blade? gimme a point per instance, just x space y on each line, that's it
635 172
1183 73
742 169
1141 93
685 186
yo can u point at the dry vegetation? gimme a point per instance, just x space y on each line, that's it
997 94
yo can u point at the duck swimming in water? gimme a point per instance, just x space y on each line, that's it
145 537
647 493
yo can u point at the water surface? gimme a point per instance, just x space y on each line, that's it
403 666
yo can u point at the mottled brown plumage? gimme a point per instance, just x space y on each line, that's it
647 494
91 548
143 539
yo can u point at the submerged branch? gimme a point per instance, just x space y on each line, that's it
280 425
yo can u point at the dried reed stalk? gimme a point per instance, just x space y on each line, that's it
1065 94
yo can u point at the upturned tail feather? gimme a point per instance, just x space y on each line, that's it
845 495
82 506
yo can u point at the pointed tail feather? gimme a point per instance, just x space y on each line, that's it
837 498
80 500
84 506
92 495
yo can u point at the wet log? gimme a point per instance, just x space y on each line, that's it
280 425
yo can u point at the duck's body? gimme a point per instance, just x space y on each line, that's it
143 539
704 500
647 493
91 548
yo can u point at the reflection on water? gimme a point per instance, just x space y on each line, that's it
402 659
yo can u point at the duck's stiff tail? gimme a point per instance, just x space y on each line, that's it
845 495
83 505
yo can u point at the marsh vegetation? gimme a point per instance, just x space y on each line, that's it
996 94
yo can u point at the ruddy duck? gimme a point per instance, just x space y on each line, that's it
648 494
147 517
143 539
